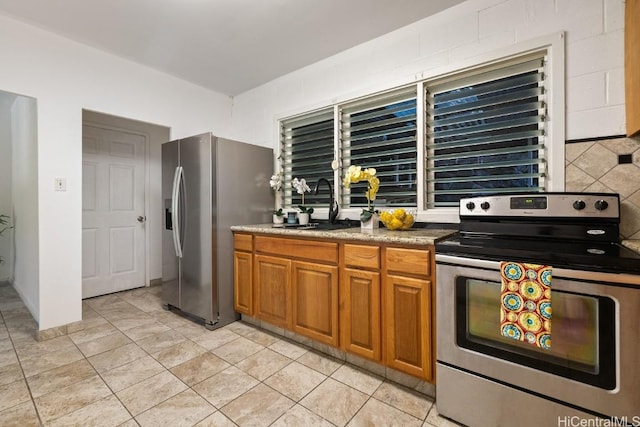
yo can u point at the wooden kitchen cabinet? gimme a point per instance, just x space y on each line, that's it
408 325
373 300
632 65
272 286
243 273
360 313
411 262
360 321
408 311
296 285
315 301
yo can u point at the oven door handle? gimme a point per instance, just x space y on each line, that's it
467 262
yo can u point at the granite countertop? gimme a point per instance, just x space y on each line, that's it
634 245
414 236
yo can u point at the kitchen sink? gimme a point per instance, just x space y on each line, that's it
326 226
319 226
329 226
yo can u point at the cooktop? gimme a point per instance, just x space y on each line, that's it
568 230
592 256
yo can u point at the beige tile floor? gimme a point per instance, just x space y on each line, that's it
129 363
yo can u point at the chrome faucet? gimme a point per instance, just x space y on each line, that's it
333 205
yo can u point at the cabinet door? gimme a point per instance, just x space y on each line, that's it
360 313
315 301
408 325
272 286
242 283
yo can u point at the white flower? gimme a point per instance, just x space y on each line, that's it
276 181
300 185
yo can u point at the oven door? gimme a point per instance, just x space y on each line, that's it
591 365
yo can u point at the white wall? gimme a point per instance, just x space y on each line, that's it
594 63
65 77
25 202
6 241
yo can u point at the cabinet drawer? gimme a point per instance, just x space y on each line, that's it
294 248
242 242
362 256
408 261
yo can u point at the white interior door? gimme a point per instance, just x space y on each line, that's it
113 217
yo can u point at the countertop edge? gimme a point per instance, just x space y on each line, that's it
414 236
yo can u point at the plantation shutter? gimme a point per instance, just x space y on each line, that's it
307 146
380 133
486 134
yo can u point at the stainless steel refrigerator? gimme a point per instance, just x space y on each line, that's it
208 185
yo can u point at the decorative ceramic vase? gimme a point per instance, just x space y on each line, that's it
370 225
303 218
278 219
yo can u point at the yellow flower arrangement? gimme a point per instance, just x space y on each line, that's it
356 174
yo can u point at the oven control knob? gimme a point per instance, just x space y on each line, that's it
471 206
601 205
485 205
579 205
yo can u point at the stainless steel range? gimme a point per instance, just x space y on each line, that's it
592 368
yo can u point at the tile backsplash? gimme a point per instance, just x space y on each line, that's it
608 165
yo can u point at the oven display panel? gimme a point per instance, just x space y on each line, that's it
537 202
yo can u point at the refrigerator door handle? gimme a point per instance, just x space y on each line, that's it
182 217
175 210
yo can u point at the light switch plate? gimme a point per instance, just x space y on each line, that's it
60 184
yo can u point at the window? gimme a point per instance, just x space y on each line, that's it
485 134
380 133
307 147
472 132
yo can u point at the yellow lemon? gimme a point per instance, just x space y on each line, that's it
399 214
408 221
394 224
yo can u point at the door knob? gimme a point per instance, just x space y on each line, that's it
141 219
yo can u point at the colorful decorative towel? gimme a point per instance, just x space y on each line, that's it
525 311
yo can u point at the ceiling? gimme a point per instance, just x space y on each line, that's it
229 46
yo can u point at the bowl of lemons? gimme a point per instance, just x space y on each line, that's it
398 219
